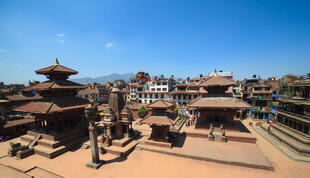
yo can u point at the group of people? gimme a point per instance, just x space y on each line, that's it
192 119
4 138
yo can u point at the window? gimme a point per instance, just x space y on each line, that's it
158 83
158 89
173 96
153 89
164 83
164 89
140 95
156 96
189 97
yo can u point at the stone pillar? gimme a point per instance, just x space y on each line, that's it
91 115
263 116
257 115
127 129
36 123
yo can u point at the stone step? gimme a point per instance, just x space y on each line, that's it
217 138
121 142
27 138
24 143
54 144
52 153
158 144
121 151
85 146
32 133
34 141
294 134
292 144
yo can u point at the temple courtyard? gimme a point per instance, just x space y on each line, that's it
144 163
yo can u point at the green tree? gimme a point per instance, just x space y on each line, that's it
176 111
142 112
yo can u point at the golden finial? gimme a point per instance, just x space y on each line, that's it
215 73
57 63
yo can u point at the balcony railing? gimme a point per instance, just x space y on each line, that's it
294 114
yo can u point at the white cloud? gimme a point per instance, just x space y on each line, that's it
2 51
60 35
60 40
110 44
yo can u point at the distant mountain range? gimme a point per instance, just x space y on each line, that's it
104 79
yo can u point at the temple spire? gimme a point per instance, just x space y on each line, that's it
215 73
57 63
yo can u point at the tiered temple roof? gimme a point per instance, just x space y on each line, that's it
56 84
160 104
217 81
219 102
162 118
218 99
49 106
58 92
56 69
159 120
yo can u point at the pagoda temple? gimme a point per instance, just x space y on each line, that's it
160 121
59 117
217 107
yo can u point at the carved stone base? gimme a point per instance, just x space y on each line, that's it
12 152
107 142
223 139
24 153
94 165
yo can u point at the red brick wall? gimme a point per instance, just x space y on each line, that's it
209 115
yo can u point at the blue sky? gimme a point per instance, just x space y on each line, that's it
184 38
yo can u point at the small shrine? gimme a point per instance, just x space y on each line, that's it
117 119
160 121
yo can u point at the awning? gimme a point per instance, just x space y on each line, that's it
277 95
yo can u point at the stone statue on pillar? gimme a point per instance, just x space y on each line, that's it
91 115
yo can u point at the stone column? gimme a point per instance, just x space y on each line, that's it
36 123
263 116
127 129
90 115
